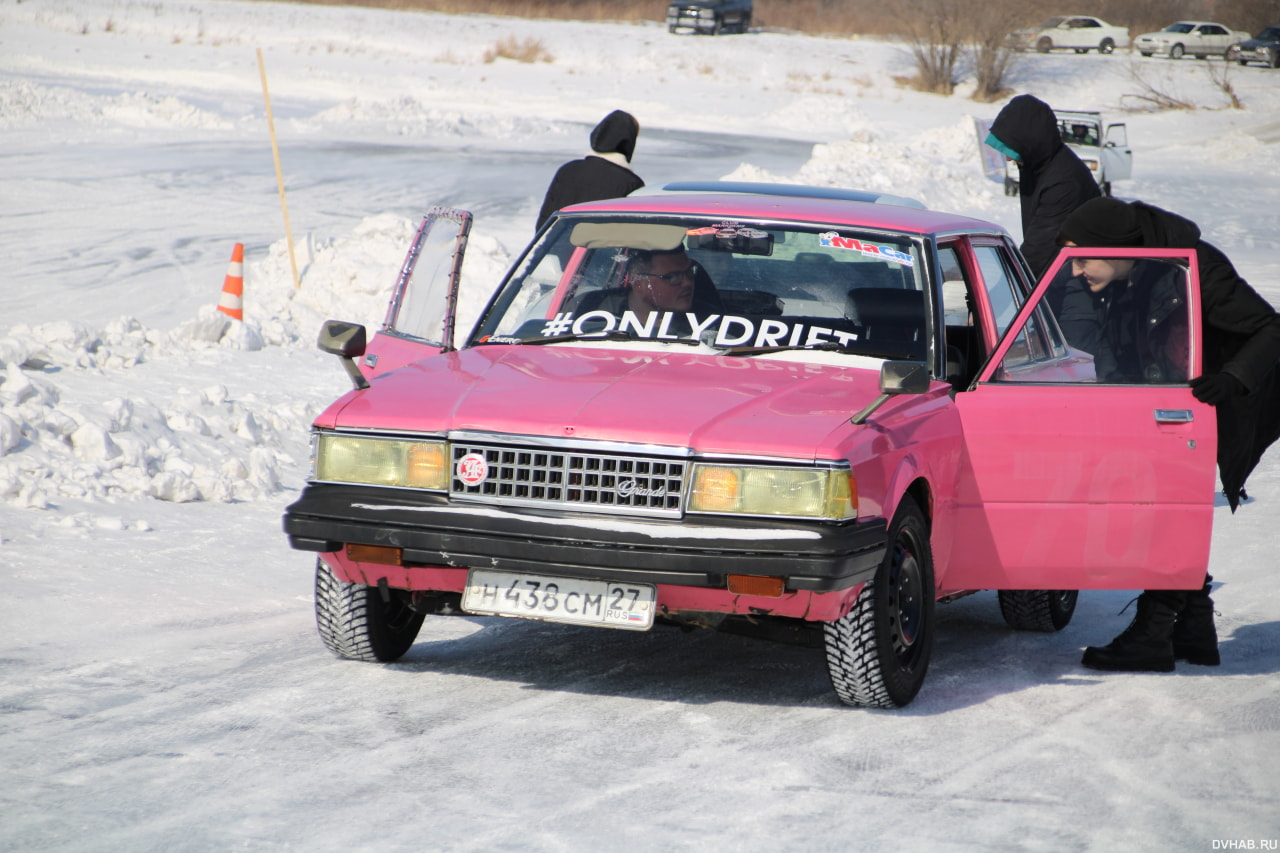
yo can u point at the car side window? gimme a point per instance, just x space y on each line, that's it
1126 318
1001 292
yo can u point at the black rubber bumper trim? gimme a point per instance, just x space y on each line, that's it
431 531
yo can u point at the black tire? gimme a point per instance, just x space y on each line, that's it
1145 55
1177 51
355 623
1275 59
1038 609
1044 45
1107 46
745 26
717 27
878 653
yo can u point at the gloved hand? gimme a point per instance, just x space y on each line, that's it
1215 388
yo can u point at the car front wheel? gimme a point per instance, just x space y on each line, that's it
1275 58
1038 609
355 621
1107 46
1176 51
878 652
1044 45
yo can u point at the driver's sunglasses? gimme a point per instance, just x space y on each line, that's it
674 278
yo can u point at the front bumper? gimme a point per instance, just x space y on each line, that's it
431 531
690 22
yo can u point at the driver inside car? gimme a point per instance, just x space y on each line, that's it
656 280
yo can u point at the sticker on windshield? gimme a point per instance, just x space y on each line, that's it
720 330
832 240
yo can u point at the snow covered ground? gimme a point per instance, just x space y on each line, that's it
163 687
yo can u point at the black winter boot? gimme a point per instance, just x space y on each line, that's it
1147 644
1195 639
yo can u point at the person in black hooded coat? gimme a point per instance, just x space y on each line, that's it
604 173
1052 180
1240 377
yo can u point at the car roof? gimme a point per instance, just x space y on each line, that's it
823 209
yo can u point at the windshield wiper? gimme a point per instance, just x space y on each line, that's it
828 346
612 335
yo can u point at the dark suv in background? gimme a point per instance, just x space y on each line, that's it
1264 48
709 16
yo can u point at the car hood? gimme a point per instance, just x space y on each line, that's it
1252 43
713 404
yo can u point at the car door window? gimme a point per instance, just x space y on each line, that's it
1116 321
1002 293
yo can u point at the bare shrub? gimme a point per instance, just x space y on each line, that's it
1151 96
988 27
521 50
1220 74
933 32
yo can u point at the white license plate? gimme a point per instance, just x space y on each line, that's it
578 602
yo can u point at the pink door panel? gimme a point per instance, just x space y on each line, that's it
1071 481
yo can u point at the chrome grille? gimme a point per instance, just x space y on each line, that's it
622 483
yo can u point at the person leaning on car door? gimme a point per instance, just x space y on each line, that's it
1052 180
1240 377
604 173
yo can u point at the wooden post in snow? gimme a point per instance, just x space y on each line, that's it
275 153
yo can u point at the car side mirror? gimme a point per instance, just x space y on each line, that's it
896 377
347 341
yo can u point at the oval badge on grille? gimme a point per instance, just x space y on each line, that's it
472 469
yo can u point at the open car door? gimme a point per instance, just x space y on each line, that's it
1087 463
420 316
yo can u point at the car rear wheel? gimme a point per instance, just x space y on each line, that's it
1275 58
1177 51
355 622
1038 609
1044 45
1145 55
1107 46
878 652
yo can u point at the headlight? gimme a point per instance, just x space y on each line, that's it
1092 164
408 463
759 490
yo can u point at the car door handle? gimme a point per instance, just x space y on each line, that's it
1174 416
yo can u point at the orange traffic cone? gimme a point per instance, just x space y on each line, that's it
232 301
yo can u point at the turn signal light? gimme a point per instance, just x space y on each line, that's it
756 585
382 554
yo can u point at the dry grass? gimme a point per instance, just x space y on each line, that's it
521 50
817 17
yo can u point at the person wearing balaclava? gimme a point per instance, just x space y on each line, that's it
1052 180
604 173
1240 377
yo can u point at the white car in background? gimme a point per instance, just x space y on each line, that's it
1102 146
1201 39
1081 33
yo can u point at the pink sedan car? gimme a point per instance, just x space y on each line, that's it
801 414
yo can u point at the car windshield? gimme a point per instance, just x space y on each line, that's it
1270 34
1179 28
1051 23
728 284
